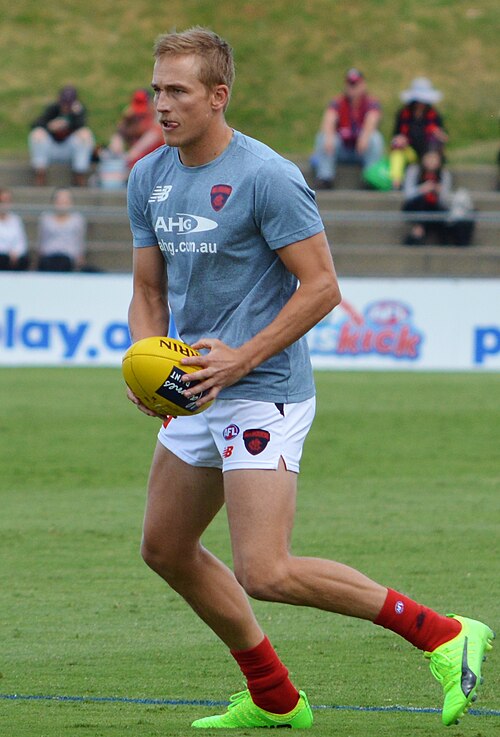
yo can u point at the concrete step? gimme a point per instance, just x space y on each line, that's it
365 231
347 227
353 260
100 204
84 197
364 227
422 261
477 177
111 256
18 173
344 199
101 230
15 172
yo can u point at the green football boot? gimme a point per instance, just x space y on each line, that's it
456 664
242 713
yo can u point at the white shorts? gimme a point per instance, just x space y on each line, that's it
240 433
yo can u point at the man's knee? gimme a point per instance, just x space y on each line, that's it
262 580
39 135
376 143
167 560
83 136
156 556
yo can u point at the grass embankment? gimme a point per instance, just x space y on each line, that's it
291 57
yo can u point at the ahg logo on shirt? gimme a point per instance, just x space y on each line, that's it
183 223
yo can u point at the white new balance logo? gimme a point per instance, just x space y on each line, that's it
160 193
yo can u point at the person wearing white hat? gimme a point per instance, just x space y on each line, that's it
418 128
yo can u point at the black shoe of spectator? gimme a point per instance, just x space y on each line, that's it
323 184
413 240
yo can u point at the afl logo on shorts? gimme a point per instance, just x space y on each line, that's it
230 432
256 441
219 195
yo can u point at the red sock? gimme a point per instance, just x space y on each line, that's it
421 626
267 678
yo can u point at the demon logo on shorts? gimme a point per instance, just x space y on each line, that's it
256 440
219 195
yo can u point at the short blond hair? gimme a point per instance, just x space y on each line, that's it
216 55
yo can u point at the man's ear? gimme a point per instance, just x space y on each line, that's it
220 97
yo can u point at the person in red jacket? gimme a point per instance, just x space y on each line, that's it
138 131
349 131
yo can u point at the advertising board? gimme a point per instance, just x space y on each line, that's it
381 324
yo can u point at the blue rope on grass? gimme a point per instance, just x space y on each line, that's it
207 702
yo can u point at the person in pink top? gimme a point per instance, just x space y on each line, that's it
349 131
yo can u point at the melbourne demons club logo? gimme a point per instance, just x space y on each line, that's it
256 440
219 195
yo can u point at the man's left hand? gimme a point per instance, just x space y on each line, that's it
222 366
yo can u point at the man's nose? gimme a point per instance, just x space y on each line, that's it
162 102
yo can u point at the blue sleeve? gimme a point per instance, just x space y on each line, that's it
142 230
285 207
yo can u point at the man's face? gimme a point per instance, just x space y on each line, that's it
355 88
182 102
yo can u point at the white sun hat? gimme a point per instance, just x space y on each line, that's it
421 90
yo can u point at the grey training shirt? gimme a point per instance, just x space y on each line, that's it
218 227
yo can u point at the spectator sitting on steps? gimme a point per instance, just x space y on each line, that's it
13 241
61 235
418 127
138 131
349 131
60 134
427 189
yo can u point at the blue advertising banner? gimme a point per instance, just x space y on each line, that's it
388 324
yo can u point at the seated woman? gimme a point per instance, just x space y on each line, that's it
427 189
61 235
13 241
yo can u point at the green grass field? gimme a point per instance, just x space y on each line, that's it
399 478
291 58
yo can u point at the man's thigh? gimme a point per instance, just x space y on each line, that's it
182 501
260 509
347 154
258 445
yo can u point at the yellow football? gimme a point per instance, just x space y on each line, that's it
151 368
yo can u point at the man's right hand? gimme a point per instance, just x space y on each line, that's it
329 144
135 400
57 124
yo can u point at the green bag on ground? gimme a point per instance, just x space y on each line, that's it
377 175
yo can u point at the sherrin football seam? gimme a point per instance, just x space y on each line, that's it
131 369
